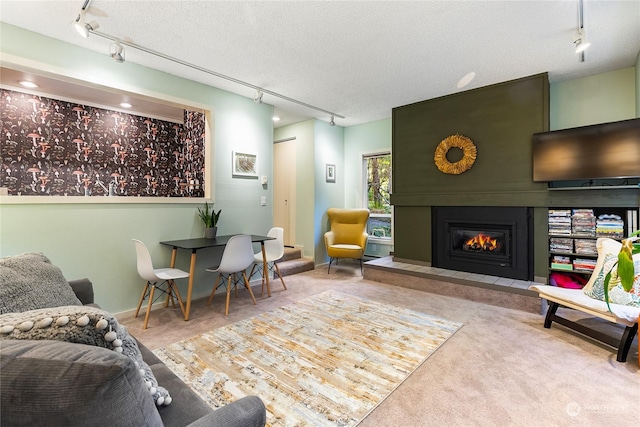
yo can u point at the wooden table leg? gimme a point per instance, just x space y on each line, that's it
192 269
172 265
265 269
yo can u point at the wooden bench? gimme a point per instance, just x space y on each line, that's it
577 300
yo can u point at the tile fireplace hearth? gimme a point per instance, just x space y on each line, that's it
499 291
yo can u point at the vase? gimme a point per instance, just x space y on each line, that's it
210 232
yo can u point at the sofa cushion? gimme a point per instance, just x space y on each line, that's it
82 325
75 385
29 281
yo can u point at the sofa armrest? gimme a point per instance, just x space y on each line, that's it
246 412
83 289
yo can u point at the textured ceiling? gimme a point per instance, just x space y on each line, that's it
358 59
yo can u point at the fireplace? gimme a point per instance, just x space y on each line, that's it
496 241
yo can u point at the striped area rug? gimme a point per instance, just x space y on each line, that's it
327 360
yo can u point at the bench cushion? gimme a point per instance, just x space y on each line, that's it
575 298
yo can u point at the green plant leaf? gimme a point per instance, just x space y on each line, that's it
208 215
625 265
607 279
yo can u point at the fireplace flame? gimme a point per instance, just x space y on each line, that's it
481 242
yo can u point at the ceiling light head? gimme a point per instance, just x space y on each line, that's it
276 118
116 51
580 41
257 98
125 105
332 122
28 84
83 27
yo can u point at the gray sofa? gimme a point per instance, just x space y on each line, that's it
44 382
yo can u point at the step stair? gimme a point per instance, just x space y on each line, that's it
292 262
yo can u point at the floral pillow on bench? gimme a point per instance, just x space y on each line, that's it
608 250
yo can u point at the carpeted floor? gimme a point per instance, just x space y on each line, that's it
501 369
326 360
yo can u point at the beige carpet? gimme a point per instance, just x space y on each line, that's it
501 369
326 360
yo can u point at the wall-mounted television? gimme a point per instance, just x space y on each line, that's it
603 151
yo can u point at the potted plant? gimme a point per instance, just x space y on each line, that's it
209 218
625 270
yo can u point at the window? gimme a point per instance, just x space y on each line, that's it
377 186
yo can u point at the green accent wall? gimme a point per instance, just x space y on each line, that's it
499 119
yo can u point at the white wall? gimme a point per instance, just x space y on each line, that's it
305 176
94 240
601 98
368 138
329 149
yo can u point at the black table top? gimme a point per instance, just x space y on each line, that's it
201 242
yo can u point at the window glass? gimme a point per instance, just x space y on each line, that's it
377 180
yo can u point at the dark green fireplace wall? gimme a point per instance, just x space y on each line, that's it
500 120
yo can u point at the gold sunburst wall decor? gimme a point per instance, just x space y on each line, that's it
469 153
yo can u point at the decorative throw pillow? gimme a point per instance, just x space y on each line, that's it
82 325
607 248
617 294
29 281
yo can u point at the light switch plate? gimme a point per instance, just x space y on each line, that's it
263 200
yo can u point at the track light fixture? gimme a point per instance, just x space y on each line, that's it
580 41
259 92
257 98
116 51
83 27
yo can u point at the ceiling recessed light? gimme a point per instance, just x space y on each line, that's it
125 105
26 83
276 118
466 80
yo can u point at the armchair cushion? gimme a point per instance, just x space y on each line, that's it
348 236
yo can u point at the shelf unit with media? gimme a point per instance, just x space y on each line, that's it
573 233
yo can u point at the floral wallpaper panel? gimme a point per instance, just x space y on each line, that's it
58 148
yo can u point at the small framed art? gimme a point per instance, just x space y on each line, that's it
331 173
245 165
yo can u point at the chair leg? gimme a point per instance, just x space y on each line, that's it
361 270
226 309
144 293
246 284
174 288
330 261
215 286
146 317
280 275
252 269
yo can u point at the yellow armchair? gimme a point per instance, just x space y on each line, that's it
348 235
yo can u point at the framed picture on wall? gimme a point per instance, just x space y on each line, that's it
245 165
331 173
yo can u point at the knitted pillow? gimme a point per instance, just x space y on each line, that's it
82 325
29 281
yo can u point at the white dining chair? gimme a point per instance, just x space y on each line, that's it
274 250
156 278
236 258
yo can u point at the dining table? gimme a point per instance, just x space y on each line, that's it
195 244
